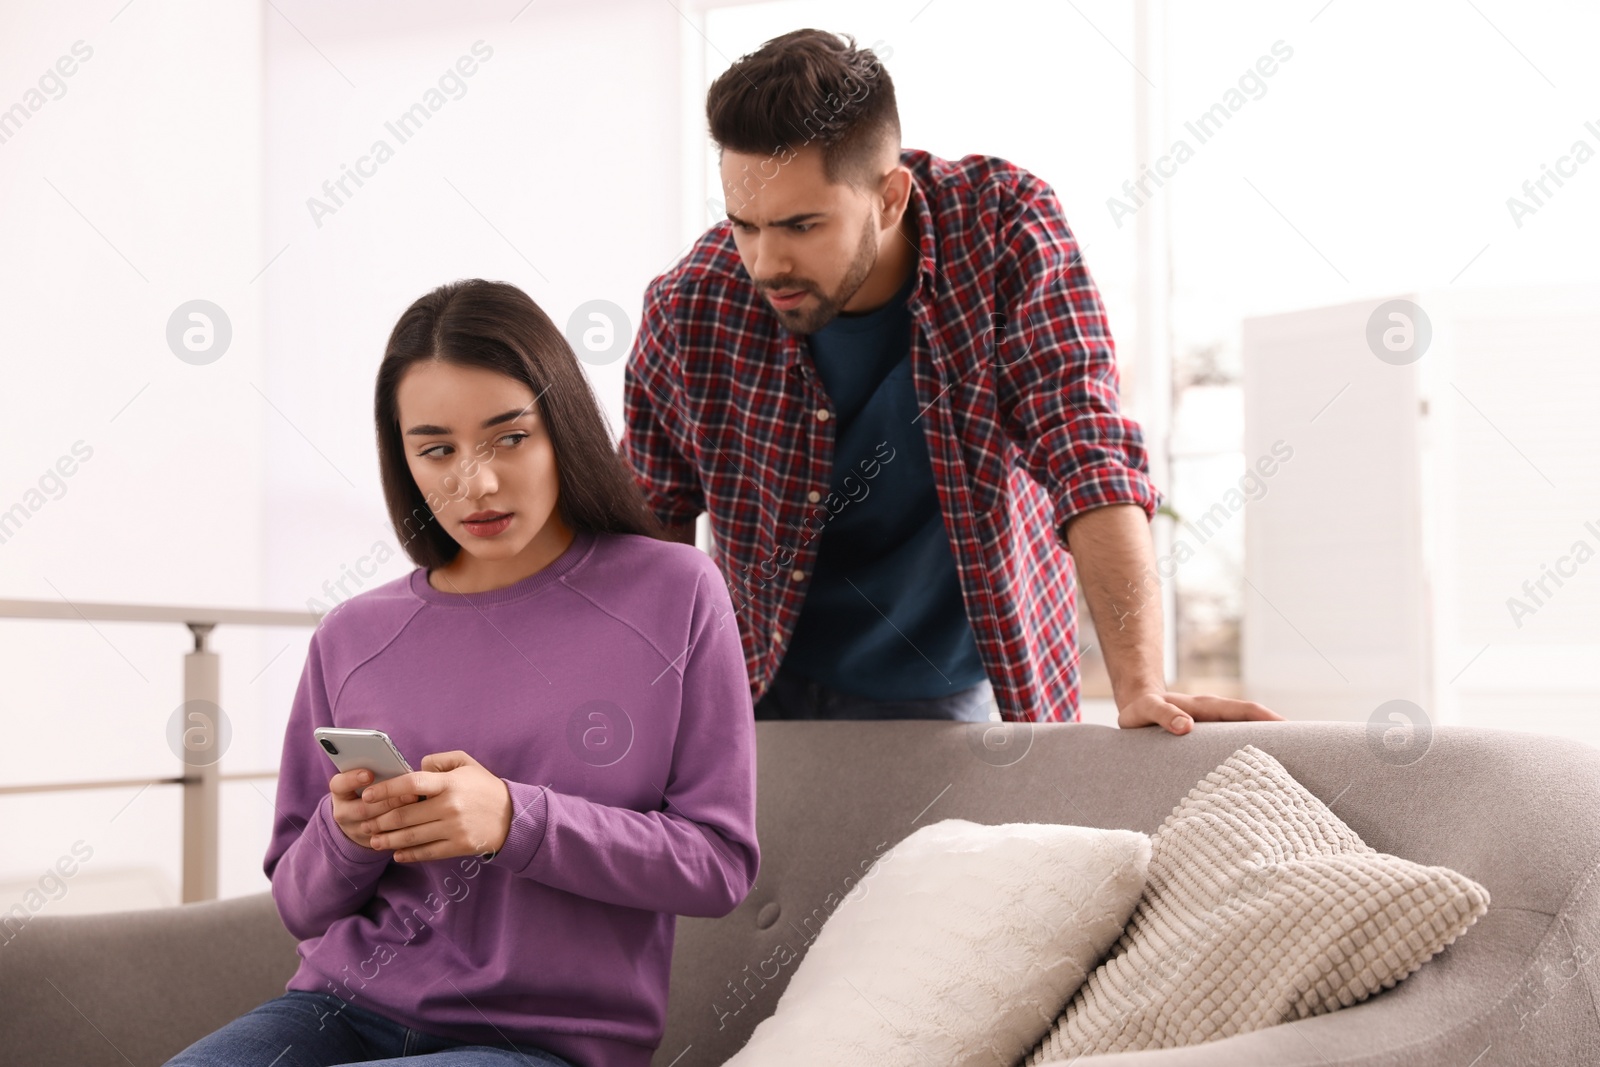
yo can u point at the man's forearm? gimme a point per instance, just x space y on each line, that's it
1115 562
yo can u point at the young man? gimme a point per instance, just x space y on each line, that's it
889 380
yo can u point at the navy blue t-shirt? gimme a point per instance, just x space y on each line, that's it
883 616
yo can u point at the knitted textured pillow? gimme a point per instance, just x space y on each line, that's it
1261 907
957 947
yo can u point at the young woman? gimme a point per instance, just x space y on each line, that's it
572 691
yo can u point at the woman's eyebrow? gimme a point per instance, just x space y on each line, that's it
428 430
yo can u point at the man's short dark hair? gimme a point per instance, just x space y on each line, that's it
807 87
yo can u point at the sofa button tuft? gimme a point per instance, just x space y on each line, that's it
767 915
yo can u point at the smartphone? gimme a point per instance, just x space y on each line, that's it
363 750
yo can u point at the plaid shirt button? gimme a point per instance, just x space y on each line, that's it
822 414
814 496
797 574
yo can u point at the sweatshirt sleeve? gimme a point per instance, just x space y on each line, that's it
318 874
697 853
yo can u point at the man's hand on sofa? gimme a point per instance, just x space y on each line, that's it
1178 712
1111 548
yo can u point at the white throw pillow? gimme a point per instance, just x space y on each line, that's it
1262 907
958 947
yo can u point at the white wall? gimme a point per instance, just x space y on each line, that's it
556 170
191 139
136 190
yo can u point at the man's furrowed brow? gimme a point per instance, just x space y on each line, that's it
790 221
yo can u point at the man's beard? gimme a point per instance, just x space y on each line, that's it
802 320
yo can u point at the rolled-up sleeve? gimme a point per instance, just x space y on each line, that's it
1056 371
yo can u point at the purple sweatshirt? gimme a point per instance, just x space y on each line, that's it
609 692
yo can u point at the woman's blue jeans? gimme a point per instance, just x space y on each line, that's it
305 1029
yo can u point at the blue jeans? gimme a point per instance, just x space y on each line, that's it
305 1029
793 697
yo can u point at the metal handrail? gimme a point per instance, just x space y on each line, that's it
71 611
118 783
201 674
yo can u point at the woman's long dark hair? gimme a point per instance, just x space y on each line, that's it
477 323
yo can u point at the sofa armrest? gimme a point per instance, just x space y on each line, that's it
137 986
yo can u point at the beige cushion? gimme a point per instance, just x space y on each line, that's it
1261 907
957 947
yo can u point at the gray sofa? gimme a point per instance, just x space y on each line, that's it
1519 813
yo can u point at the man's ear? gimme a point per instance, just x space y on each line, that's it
895 194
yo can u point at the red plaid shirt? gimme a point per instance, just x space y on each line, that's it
1015 371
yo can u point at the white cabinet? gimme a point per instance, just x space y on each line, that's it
1435 534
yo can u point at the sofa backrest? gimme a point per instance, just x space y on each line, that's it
1516 812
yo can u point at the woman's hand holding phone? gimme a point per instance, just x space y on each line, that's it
351 812
467 811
